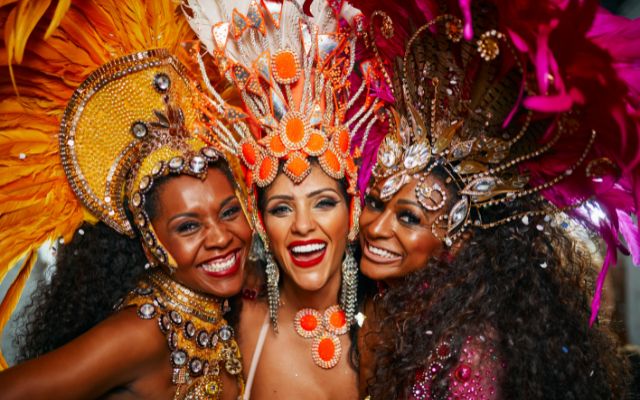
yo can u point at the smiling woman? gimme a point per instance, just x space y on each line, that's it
137 177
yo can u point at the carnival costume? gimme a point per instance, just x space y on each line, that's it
129 121
508 111
293 74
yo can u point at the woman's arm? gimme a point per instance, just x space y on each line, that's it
114 353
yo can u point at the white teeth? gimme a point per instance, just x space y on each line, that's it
308 248
381 252
220 265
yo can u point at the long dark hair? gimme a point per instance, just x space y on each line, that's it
529 285
92 272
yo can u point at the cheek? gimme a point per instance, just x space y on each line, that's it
421 248
182 249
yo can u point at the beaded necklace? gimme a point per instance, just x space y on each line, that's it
199 338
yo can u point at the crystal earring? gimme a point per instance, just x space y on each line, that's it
349 289
273 291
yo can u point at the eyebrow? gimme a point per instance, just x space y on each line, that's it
309 195
195 215
413 203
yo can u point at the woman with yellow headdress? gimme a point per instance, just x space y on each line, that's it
107 144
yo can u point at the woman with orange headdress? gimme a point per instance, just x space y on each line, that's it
292 66
128 173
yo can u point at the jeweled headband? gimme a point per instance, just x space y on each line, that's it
131 122
457 109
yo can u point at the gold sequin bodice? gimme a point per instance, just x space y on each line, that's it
199 339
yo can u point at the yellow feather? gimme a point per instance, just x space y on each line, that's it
12 297
61 10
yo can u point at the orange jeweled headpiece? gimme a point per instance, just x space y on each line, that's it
292 72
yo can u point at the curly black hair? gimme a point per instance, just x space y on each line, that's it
92 273
526 284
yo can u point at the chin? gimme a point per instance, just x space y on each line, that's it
376 272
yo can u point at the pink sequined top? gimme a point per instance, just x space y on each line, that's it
476 376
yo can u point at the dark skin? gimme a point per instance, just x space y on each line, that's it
396 239
125 357
315 209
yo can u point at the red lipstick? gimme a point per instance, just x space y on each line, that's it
313 252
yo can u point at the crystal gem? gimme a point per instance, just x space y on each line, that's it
172 340
203 338
196 366
165 323
458 213
145 182
210 152
162 257
197 164
179 358
136 199
417 156
148 238
160 302
225 333
141 220
147 311
176 163
211 388
144 291
213 341
233 366
157 168
139 129
175 317
161 82
391 186
189 329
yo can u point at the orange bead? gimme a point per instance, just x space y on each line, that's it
338 319
309 323
285 65
326 349
315 144
295 130
249 153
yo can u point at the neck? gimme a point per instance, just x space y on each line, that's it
295 298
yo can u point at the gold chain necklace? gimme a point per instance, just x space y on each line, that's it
198 336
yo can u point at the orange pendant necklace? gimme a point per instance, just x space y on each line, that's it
324 329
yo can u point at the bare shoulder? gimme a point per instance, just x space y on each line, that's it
114 353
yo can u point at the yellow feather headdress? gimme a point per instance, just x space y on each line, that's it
47 53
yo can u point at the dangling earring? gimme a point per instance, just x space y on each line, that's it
273 292
349 289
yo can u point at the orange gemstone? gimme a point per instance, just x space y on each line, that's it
338 319
343 141
266 168
249 153
276 145
309 323
297 165
332 161
285 65
326 349
295 130
315 143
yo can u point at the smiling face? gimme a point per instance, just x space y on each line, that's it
307 225
201 224
396 236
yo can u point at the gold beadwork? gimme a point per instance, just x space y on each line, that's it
199 339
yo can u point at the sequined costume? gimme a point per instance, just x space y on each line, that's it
202 344
110 114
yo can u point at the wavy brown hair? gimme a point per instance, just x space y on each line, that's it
529 289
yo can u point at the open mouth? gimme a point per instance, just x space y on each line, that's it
221 266
380 255
307 253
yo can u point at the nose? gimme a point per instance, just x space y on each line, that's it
303 222
381 227
218 237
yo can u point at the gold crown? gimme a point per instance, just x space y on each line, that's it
134 120
458 109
